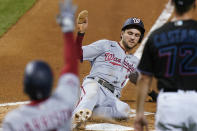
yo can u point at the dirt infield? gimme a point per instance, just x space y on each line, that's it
37 36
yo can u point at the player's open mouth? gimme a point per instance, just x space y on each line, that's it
131 43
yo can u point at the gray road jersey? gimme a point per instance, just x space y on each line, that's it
109 62
52 114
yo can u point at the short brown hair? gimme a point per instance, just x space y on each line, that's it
182 6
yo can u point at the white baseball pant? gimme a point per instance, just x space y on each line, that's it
176 111
101 101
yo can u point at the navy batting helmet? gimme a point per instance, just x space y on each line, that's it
183 2
38 80
183 6
134 23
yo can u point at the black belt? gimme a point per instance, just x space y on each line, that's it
105 84
176 90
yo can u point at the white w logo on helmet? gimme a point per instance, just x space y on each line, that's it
135 20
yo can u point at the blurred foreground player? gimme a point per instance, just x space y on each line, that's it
47 112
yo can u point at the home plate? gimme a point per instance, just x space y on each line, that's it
108 127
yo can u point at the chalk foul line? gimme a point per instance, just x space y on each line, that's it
162 19
14 103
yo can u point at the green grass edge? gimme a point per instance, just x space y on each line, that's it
11 11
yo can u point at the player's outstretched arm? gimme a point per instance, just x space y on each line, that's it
66 20
82 25
68 84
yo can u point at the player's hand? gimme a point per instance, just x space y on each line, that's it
133 77
140 123
66 17
82 21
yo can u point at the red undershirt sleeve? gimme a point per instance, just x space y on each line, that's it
79 40
70 54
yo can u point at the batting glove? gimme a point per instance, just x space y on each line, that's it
66 18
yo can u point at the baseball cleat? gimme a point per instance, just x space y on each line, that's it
81 117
